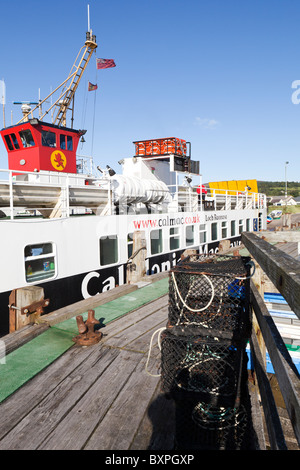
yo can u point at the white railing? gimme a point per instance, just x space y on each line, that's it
54 194
50 193
221 199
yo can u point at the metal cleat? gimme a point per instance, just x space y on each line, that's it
35 307
87 334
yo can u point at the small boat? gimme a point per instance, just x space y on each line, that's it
269 219
276 214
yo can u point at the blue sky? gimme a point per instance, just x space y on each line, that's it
217 73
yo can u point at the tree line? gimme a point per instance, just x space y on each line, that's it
277 188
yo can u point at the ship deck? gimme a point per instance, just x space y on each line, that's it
98 397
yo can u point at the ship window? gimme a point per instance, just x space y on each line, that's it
189 235
129 244
8 142
108 250
62 141
248 225
214 231
156 241
202 233
48 139
224 229
174 238
241 225
66 142
69 142
40 262
26 138
15 142
232 227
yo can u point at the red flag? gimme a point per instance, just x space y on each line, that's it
105 63
92 87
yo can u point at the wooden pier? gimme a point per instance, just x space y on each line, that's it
108 396
96 397
101 397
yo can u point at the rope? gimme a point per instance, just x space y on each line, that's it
184 303
250 263
135 253
213 418
160 330
199 358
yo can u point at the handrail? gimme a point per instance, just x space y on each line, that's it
64 182
274 428
284 272
60 192
282 269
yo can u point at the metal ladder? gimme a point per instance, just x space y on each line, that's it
75 75
67 90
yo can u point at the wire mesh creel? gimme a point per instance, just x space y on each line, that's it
203 357
203 426
203 366
211 291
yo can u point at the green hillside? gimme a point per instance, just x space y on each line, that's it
277 188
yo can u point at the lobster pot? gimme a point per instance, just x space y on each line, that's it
211 291
202 426
205 367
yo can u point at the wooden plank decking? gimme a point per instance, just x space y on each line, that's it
97 397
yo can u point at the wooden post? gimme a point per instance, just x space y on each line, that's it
136 270
188 252
20 298
286 221
224 246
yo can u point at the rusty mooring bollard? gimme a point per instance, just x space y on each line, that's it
87 334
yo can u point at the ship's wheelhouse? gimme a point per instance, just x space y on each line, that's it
36 146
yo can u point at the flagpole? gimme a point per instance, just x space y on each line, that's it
3 101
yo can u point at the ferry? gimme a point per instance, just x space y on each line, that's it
74 229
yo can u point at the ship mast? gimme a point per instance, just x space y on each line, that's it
68 87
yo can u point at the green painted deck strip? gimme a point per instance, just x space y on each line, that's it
119 307
25 362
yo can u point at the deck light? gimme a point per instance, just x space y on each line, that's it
111 172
